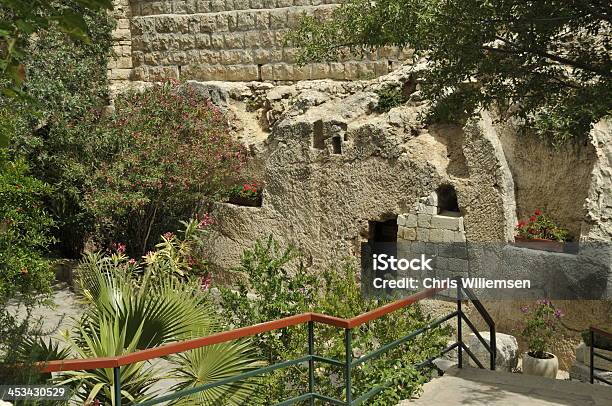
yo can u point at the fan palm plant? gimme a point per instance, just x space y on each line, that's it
127 308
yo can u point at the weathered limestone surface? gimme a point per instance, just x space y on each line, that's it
331 165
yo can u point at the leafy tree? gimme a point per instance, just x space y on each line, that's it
20 20
545 62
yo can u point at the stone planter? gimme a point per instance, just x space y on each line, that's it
547 367
539 244
245 201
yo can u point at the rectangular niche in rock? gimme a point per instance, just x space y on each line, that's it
318 138
337 144
248 194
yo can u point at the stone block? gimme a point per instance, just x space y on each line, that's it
337 71
320 70
426 209
409 234
458 265
217 41
446 223
449 235
241 73
222 22
424 220
234 40
120 74
217 5
241 5
436 235
302 72
459 236
203 6
284 3
262 20
411 220
202 41
422 234
401 220
278 19
507 351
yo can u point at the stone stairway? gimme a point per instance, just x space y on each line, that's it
477 387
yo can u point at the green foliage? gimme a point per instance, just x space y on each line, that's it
543 320
546 63
541 226
161 156
25 273
20 20
129 308
24 233
389 97
66 77
272 283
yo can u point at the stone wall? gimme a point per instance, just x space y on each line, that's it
228 40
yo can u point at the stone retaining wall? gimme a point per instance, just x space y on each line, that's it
230 40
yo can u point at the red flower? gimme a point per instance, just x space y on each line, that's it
538 212
532 219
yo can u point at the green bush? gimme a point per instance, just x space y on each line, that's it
162 156
24 233
66 78
389 97
25 274
272 283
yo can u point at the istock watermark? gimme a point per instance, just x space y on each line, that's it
385 262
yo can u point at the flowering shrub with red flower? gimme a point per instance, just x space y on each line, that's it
541 226
543 320
163 154
246 194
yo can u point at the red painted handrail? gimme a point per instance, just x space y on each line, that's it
174 348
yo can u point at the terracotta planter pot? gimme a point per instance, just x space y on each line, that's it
546 367
539 244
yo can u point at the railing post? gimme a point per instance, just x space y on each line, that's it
459 332
117 386
493 345
348 347
591 356
311 382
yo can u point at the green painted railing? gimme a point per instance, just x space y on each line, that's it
348 363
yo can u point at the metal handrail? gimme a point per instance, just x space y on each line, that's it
594 331
305 318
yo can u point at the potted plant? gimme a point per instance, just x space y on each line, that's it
543 321
247 194
540 232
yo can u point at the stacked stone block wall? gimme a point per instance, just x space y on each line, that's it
441 234
120 68
231 40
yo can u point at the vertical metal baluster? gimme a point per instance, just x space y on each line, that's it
117 386
493 345
591 367
459 323
348 346
311 381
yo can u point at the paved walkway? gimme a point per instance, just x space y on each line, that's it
476 387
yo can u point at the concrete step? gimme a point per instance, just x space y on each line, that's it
477 387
